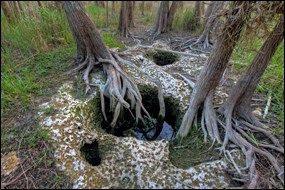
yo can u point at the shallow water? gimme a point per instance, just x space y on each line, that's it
167 133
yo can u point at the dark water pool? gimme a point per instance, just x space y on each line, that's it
166 133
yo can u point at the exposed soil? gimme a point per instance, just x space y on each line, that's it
33 147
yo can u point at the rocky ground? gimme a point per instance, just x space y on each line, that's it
127 162
92 158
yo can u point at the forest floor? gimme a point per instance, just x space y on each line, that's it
22 133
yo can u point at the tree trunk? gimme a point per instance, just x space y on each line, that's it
130 9
164 18
240 97
100 4
113 8
39 3
211 21
209 10
202 8
107 14
123 21
58 5
238 104
196 22
7 10
20 7
134 5
213 70
92 51
142 8
171 13
237 131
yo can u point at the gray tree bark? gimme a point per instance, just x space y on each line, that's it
239 99
142 8
205 37
171 13
164 18
213 70
130 9
123 20
92 51
209 10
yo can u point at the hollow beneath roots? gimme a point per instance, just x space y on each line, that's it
127 127
162 58
191 152
90 152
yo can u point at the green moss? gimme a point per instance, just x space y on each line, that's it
194 152
95 108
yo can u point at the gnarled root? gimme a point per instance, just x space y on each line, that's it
241 133
117 86
208 120
154 80
120 88
252 149
203 43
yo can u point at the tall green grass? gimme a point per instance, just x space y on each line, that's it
99 16
183 20
36 33
36 49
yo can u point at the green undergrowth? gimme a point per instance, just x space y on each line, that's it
36 50
193 151
183 20
23 78
99 16
34 58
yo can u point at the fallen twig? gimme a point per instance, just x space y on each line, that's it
177 52
268 104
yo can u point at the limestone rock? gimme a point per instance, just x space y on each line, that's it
124 162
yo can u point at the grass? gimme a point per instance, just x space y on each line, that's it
33 60
99 16
110 40
183 19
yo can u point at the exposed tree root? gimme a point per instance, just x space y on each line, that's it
203 43
235 132
120 88
154 80
242 134
250 149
